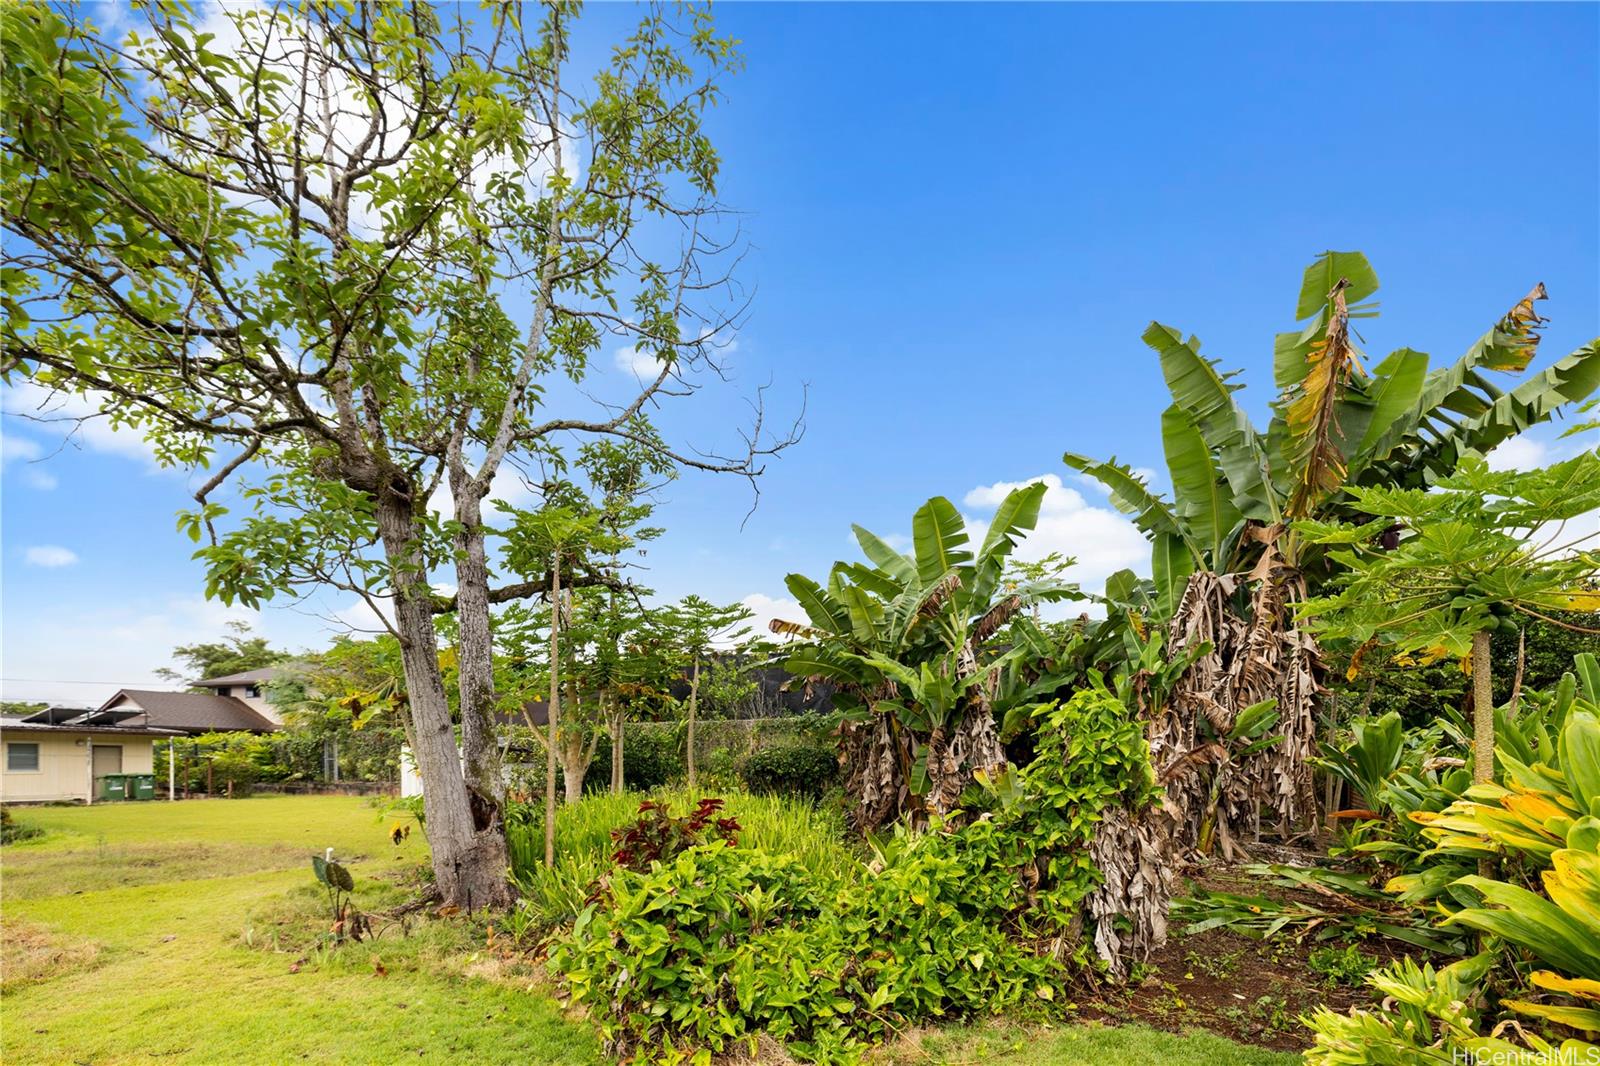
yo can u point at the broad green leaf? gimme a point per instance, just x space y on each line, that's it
938 534
1204 393
1204 505
1322 275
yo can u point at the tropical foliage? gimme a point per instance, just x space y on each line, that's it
909 643
1228 566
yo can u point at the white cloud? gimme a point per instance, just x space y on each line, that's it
50 555
765 609
641 365
1521 452
87 653
508 487
20 448
78 421
1099 538
27 453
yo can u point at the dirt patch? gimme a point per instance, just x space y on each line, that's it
1251 991
30 954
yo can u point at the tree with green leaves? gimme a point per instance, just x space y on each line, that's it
351 698
345 257
694 626
910 643
232 654
1477 553
1228 562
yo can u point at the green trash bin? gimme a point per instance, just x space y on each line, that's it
142 786
114 787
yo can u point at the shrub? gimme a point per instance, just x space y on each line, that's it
658 836
651 759
12 830
724 943
694 955
792 771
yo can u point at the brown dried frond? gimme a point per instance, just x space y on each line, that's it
1520 328
937 596
995 618
1313 426
794 629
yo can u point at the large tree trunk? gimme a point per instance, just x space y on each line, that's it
1482 710
694 695
555 712
575 758
469 862
475 661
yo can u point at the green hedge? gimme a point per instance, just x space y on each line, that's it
790 771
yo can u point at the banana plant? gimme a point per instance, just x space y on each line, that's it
1228 564
907 641
1334 424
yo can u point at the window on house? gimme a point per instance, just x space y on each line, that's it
22 756
253 691
224 690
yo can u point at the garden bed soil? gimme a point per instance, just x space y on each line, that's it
1251 991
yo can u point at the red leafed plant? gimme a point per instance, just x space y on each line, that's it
657 836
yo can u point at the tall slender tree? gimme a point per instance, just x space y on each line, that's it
696 625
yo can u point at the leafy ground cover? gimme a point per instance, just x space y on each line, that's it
186 932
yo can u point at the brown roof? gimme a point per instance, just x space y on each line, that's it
244 677
195 712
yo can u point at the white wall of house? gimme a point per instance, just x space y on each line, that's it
62 763
410 780
257 702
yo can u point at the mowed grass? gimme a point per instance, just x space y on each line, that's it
159 932
143 915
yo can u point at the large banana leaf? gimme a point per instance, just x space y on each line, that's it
1198 388
1129 493
1017 514
1459 410
1171 565
825 612
1206 510
886 558
1395 388
1322 275
938 534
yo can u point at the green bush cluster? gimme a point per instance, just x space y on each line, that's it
791 770
725 943
652 759
722 944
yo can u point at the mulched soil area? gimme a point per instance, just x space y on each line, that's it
1252 991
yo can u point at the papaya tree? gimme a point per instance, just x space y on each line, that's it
1436 572
350 260
693 626
910 644
1228 566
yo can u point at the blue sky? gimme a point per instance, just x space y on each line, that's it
962 218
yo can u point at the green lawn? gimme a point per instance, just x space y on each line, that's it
179 932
